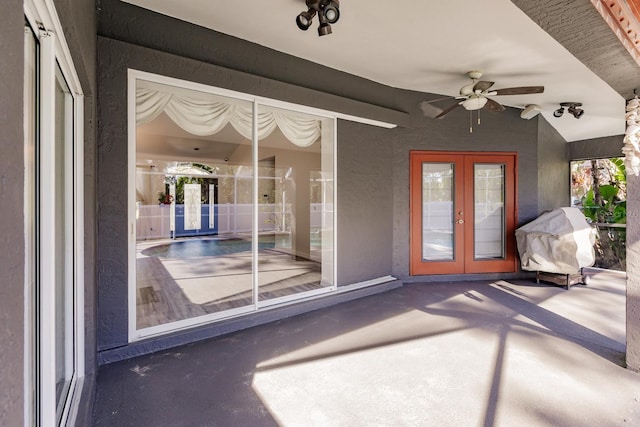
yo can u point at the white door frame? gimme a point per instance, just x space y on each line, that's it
54 54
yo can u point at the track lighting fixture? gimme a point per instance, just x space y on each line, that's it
573 108
575 111
304 19
328 12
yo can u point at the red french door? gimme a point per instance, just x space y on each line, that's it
463 212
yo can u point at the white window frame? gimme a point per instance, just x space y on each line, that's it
256 101
54 52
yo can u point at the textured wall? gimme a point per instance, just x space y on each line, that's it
498 132
597 148
112 213
553 168
365 202
12 224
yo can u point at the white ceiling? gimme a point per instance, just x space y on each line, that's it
426 46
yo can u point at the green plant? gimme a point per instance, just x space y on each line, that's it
603 204
608 208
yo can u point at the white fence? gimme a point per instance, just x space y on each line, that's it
153 221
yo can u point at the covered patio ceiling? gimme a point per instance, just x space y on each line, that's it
429 46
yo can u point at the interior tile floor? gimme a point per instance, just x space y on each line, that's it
186 285
485 353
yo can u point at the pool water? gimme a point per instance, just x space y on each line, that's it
206 247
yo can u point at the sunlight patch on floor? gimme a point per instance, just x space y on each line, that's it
372 387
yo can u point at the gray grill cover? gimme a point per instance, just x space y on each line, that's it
559 241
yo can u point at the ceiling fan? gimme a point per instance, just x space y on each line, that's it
475 96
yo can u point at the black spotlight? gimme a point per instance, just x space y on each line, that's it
304 19
559 112
575 111
328 13
324 28
332 12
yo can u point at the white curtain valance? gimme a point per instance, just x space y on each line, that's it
204 117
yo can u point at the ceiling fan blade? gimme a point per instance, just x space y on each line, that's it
494 106
436 100
525 90
482 86
448 110
429 110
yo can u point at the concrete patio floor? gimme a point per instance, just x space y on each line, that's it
503 353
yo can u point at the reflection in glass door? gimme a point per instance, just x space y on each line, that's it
295 182
233 205
438 194
489 211
462 213
193 205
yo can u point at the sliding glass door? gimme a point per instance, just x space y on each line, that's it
231 202
53 107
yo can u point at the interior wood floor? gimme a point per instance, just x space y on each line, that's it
172 289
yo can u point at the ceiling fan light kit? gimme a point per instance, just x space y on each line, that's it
475 96
572 107
474 102
328 12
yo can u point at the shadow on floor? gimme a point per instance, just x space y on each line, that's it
474 353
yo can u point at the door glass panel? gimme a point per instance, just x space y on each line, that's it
295 203
437 211
63 214
194 189
489 211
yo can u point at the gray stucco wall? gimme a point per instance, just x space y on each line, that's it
12 224
553 168
597 148
365 202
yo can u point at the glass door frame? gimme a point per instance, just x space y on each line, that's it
463 261
53 61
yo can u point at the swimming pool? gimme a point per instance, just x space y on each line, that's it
206 247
